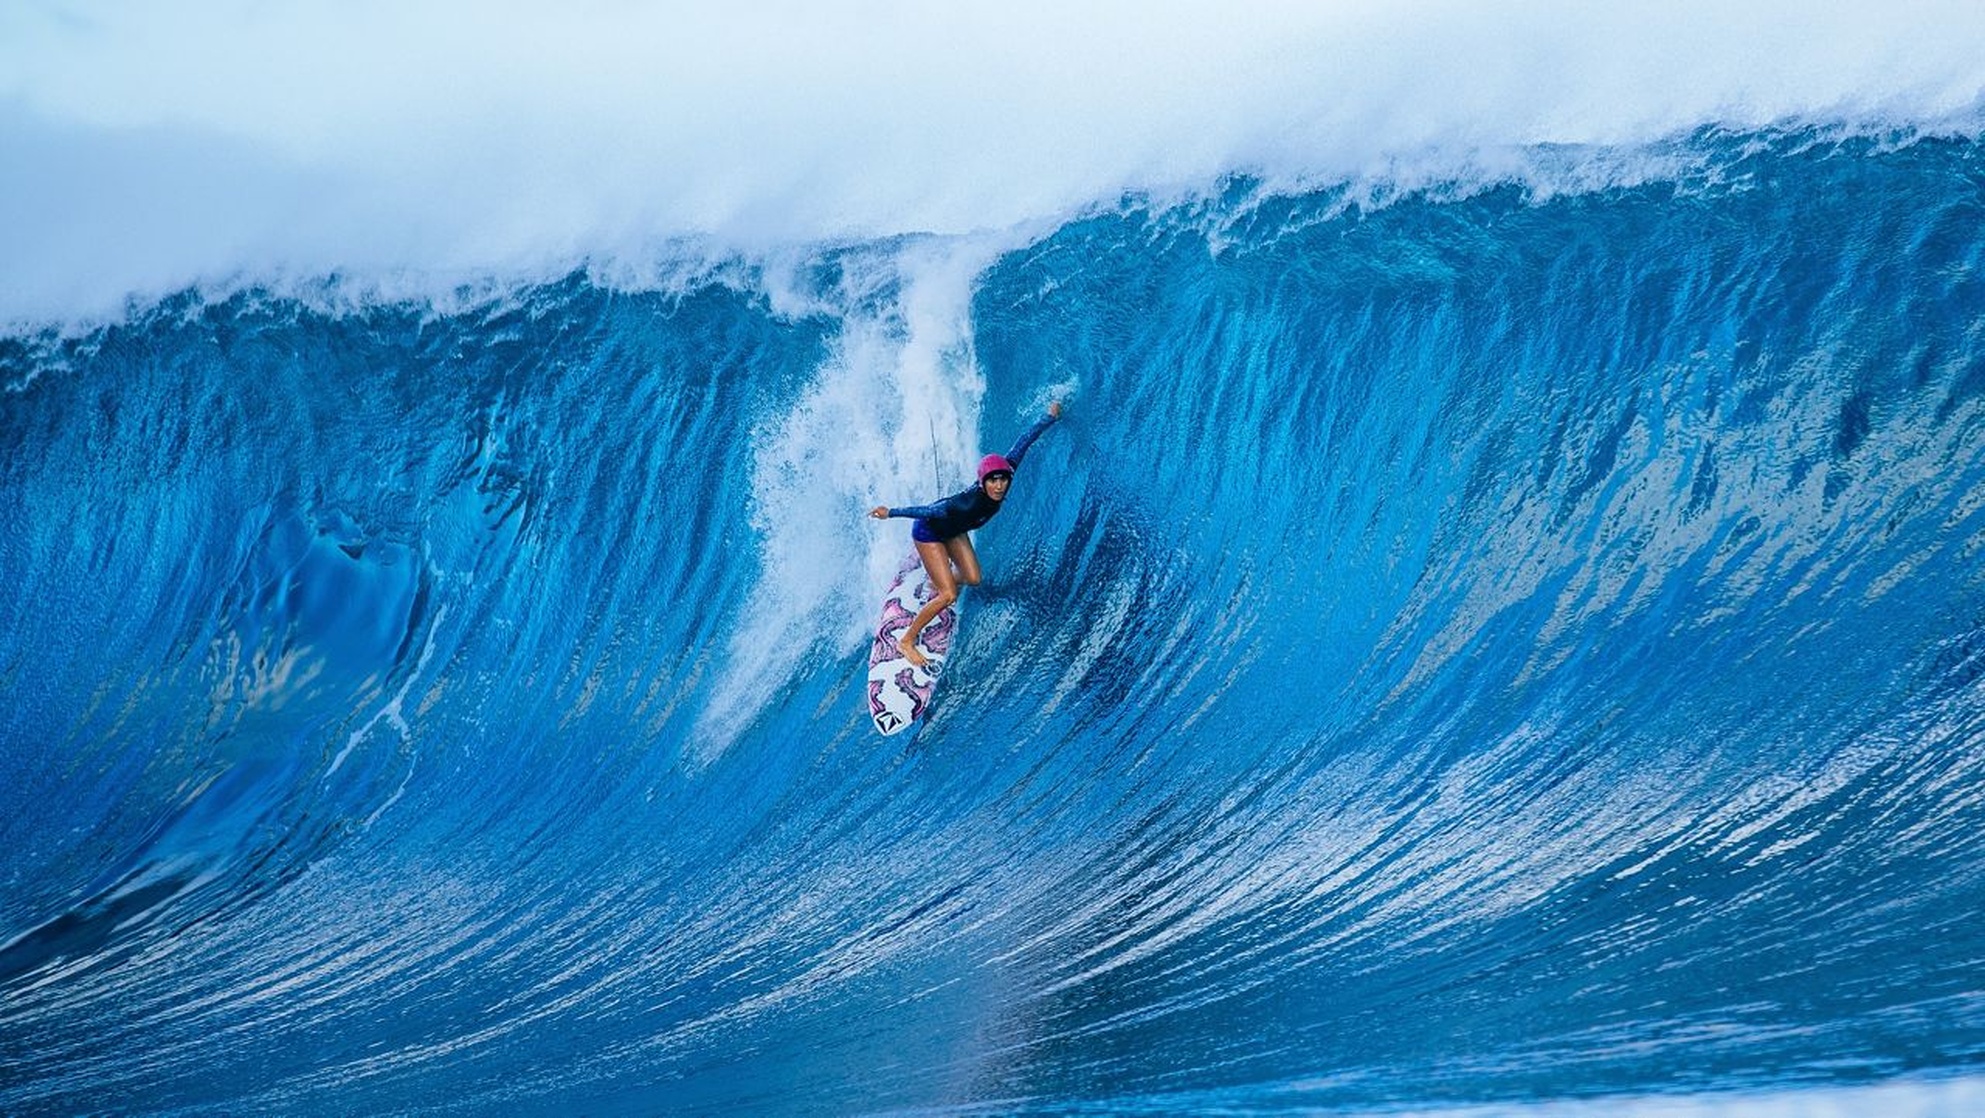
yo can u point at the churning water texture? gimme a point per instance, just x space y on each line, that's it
1503 647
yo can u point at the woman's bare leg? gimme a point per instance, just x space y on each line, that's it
964 559
937 564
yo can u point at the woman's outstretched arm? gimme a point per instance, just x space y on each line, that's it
1019 450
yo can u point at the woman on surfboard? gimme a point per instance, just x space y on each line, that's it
940 528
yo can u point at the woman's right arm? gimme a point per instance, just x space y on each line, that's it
917 512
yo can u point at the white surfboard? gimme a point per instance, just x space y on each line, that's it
898 691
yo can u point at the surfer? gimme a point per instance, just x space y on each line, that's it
940 528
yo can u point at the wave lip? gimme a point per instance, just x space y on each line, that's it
140 153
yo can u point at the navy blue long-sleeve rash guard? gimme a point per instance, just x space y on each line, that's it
962 512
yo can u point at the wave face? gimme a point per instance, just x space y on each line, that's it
1477 649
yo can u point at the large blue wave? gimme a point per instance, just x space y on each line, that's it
1471 647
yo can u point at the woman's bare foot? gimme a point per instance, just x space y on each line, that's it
912 653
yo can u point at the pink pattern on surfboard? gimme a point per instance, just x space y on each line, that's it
899 693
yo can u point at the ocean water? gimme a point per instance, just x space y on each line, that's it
1499 630
1490 649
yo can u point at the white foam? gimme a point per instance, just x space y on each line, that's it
143 147
891 418
1901 1098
